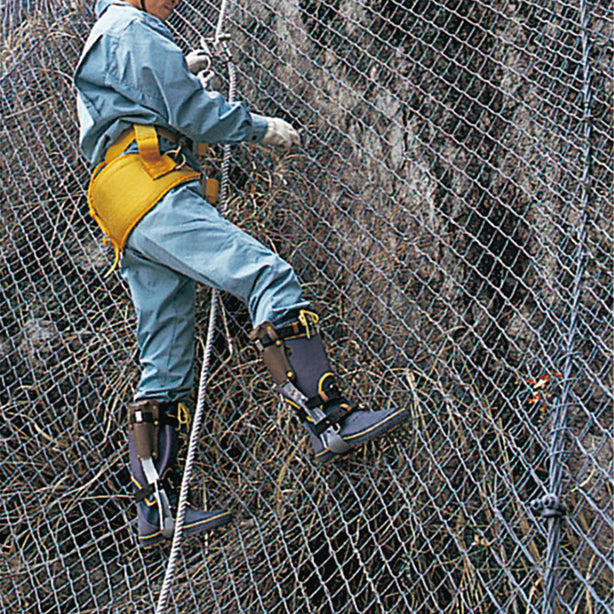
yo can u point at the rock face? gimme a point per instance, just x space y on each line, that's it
454 191
445 153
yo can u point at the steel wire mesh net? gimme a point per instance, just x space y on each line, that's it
449 217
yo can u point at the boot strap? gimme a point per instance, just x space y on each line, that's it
164 417
307 325
334 405
143 493
334 415
334 412
147 490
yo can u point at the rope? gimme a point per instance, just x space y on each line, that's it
220 46
551 505
218 37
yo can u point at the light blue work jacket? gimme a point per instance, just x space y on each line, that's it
131 71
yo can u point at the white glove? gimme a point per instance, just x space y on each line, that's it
198 60
280 133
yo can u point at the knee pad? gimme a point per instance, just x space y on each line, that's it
144 426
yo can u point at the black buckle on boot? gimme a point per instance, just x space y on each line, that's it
145 491
335 413
330 400
307 325
168 414
310 321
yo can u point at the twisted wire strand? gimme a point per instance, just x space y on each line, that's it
559 419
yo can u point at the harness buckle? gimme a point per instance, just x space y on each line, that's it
310 322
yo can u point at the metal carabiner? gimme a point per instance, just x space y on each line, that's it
177 153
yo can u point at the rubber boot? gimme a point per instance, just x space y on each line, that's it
296 357
165 451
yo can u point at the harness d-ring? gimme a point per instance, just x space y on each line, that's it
178 156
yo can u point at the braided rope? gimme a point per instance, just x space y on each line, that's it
204 373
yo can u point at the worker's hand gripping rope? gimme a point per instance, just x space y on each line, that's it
199 61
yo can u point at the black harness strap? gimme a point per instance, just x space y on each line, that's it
143 493
164 416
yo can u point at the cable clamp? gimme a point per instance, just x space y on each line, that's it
549 506
217 47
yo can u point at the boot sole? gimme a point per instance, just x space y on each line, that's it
214 522
358 439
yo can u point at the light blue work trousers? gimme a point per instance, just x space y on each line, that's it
181 241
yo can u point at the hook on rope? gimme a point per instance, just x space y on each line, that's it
213 48
217 46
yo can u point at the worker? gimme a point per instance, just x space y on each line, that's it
142 114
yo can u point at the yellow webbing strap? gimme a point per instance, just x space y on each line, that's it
212 190
124 188
147 140
121 144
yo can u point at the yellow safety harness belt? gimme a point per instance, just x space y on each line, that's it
124 188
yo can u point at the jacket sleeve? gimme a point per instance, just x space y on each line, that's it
150 69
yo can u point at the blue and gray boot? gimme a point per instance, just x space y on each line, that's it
154 442
295 356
